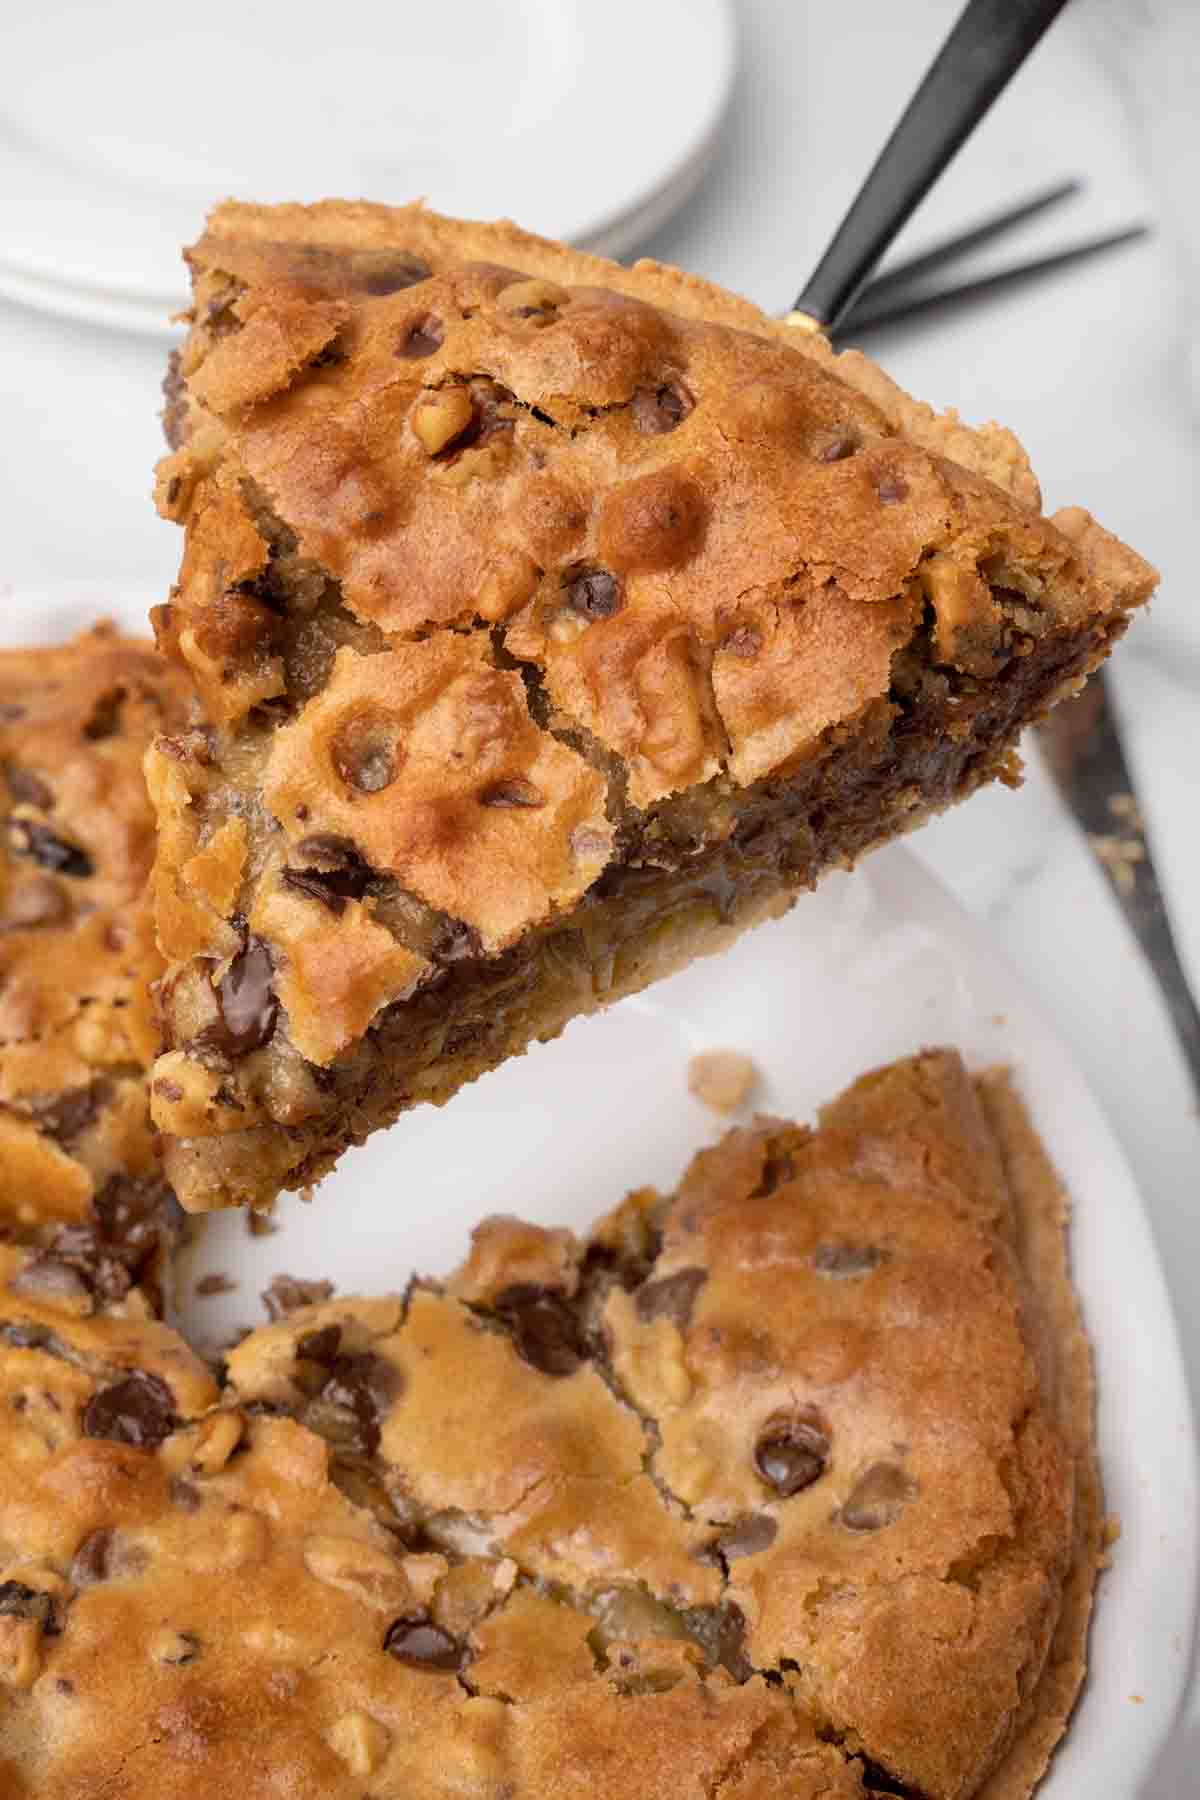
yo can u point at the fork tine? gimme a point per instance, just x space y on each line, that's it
859 322
950 249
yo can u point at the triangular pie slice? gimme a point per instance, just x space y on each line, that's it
553 622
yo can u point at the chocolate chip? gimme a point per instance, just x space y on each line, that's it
421 1644
320 1346
842 1261
721 1633
838 448
791 1453
247 1005
594 593
183 1648
379 272
877 1498
515 792
658 409
422 338
66 1116
363 1386
27 789
20 1602
366 754
333 871
139 1410
104 720
37 841
286 1293
136 1216
92 1561
878 1780
544 1328
26 1337
744 640
747 1536
891 489
671 1298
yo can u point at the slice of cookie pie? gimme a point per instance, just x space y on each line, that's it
781 1485
554 622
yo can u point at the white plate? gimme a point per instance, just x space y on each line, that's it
870 967
120 125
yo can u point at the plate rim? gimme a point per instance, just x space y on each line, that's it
604 191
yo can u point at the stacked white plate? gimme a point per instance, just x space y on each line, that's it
590 120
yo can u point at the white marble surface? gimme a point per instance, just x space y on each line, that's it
1091 369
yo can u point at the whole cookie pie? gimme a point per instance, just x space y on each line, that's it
780 1486
554 622
79 1165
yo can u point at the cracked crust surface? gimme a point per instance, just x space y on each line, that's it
79 1164
779 1485
518 588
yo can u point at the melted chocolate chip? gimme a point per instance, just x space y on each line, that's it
366 754
320 1346
28 789
877 1498
363 1386
421 1644
104 720
594 593
381 272
721 1633
422 338
843 1261
248 1007
891 489
671 1298
838 448
67 1116
334 872
20 1602
139 1410
92 1561
747 1537
659 409
544 1328
877 1780
744 640
792 1453
512 793
41 844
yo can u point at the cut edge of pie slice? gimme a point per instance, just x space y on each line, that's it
553 622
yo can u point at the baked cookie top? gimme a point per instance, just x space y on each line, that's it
77 953
495 549
782 1484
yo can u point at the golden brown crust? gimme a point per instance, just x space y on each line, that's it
510 568
768 1486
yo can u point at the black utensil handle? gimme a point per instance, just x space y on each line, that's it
985 49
